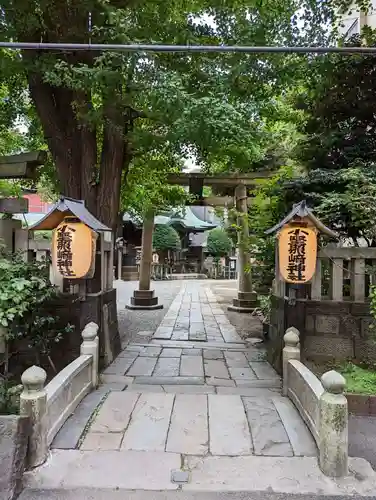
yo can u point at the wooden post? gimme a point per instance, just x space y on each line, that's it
119 262
337 280
316 282
359 280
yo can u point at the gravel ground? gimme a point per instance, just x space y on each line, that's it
133 322
245 324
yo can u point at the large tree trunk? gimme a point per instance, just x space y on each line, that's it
74 148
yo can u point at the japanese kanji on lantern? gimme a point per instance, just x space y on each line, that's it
73 249
297 250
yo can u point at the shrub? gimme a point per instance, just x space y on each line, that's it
25 291
219 244
165 238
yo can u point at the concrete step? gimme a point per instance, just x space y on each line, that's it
107 474
112 494
200 385
187 276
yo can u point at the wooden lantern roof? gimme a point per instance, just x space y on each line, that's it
301 211
69 207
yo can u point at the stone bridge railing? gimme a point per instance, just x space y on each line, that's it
48 407
322 405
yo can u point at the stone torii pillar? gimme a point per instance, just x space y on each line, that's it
144 298
227 184
247 298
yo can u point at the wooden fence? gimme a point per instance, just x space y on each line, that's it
342 274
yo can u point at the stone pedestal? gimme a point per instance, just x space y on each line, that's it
247 299
144 298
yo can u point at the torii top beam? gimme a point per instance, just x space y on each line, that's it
21 166
234 179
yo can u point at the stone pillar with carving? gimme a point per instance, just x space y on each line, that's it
144 297
33 404
333 427
247 298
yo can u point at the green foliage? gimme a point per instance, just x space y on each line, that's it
165 237
146 186
372 305
359 380
25 291
265 307
109 115
337 149
219 244
9 398
42 235
267 209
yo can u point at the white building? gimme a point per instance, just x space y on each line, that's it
355 19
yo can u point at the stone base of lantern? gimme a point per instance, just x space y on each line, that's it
246 302
144 299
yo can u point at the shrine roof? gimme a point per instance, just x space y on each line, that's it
188 220
65 207
301 210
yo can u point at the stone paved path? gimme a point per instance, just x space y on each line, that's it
194 389
195 410
196 315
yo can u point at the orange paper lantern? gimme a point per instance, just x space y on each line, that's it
73 249
297 246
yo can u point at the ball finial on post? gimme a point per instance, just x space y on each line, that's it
333 382
33 379
290 351
33 404
291 337
90 331
90 346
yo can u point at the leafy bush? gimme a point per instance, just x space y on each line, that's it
25 290
9 398
265 307
165 238
219 244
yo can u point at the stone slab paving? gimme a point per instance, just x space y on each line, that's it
195 315
193 400
149 364
205 394
199 424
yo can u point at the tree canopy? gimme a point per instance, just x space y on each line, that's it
106 115
338 146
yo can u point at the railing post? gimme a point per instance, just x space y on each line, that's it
290 351
90 346
333 426
33 404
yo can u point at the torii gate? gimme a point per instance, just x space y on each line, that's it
235 186
19 166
